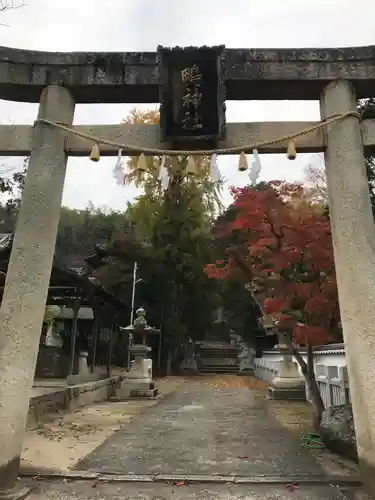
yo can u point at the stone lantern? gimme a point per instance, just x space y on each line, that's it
138 381
288 384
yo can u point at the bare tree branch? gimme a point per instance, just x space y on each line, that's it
11 4
316 178
6 5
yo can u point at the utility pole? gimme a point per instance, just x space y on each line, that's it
133 291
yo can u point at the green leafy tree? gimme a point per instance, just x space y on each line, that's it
176 224
80 230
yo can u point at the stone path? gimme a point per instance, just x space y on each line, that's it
206 431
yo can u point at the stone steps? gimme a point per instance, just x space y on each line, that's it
215 354
218 358
218 369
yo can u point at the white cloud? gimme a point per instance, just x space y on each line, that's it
129 25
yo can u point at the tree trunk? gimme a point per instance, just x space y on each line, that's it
312 386
169 362
316 400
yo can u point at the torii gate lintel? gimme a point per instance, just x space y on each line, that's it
133 77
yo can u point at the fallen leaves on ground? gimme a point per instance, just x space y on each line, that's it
291 414
291 487
235 382
177 483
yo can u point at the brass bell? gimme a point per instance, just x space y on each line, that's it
242 162
95 153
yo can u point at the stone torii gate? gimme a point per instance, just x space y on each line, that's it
336 77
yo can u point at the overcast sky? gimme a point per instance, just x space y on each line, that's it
141 25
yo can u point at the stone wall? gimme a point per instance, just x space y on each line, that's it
70 398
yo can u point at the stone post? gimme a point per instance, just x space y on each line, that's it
353 236
83 369
27 279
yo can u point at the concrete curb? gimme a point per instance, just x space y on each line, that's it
193 478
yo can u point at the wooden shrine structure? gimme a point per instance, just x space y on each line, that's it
73 289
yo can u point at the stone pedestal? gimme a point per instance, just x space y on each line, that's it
138 382
288 384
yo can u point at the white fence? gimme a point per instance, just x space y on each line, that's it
330 371
266 368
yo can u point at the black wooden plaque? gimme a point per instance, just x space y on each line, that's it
192 94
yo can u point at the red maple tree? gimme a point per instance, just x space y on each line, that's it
288 259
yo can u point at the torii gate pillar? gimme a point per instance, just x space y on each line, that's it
26 285
353 235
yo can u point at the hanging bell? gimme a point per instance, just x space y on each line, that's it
191 168
242 162
142 165
291 153
95 153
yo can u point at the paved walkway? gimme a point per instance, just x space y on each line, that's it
204 430
210 431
